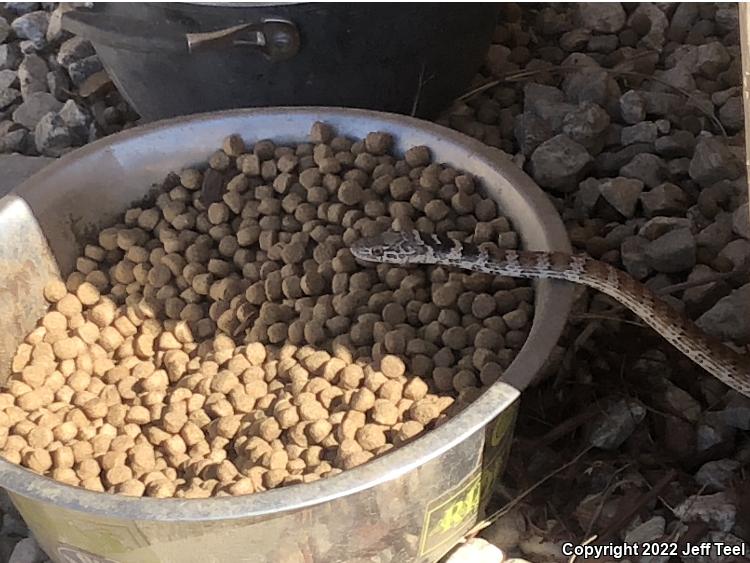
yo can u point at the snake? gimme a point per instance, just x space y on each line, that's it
408 247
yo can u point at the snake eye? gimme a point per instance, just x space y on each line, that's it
377 251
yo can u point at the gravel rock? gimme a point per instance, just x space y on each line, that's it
716 510
82 69
658 226
558 162
632 107
717 475
643 132
58 83
680 143
729 319
700 298
736 413
647 168
672 252
4 29
682 20
732 114
506 532
8 79
711 59
32 75
633 258
662 103
665 199
52 136
74 49
622 194
609 430
737 252
648 531
588 195
716 236
713 162
35 107
10 56
650 13
14 141
8 96
587 125
741 221
27 551
32 26
602 17
476 550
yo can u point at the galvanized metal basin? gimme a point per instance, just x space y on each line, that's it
410 505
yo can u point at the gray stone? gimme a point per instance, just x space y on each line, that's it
575 39
20 8
665 199
55 32
610 163
32 26
31 111
717 475
14 141
506 531
712 58
610 430
8 79
4 29
661 103
677 77
591 84
699 299
648 168
729 319
58 83
658 226
741 221
80 70
530 131
716 510
732 115
680 143
654 39
682 20
27 551
558 162
727 18
52 136
10 56
736 411
32 75
716 236
476 550
672 252
713 162
643 132
633 257
737 252
602 17
17 167
588 194
8 96
74 49
720 98
622 194
586 125
632 107
648 531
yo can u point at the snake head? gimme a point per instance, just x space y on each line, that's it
392 247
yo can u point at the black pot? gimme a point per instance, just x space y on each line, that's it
171 59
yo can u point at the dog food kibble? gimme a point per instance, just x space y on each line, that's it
224 341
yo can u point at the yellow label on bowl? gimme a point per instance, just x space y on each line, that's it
453 513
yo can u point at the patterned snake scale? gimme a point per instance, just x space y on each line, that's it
413 247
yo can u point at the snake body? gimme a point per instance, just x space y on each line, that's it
413 247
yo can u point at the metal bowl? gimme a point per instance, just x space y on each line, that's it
409 505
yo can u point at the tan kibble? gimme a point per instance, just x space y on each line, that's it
384 412
87 294
362 400
424 411
38 460
392 366
69 305
370 437
55 290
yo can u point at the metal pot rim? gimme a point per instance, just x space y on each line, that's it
546 329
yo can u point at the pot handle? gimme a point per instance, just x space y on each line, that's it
277 39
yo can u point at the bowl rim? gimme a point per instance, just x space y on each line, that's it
557 296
